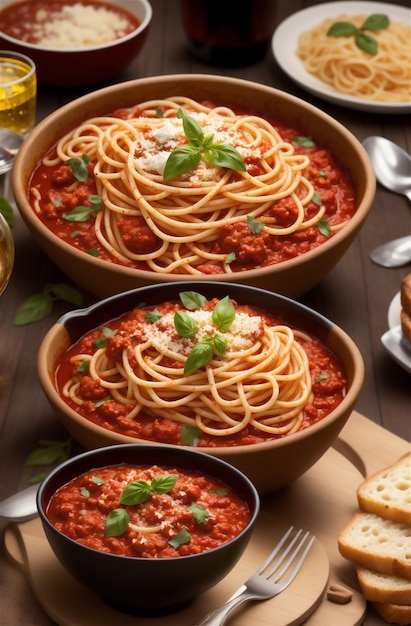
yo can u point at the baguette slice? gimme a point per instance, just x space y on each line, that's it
377 544
394 613
378 587
388 492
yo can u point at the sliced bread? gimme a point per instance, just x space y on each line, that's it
377 544
379 587
388 492
394 613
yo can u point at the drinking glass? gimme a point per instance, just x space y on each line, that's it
18 89
6 253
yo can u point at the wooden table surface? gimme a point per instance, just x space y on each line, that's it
355 295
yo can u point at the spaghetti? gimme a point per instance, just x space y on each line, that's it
261 379
338 61
175 226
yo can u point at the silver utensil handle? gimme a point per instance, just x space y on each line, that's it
220 616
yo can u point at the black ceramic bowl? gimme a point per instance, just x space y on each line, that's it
143 585
291 456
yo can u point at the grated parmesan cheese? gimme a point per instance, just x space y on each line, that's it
77 26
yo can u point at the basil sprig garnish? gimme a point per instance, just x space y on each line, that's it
188 156
365 42
202 352
135 493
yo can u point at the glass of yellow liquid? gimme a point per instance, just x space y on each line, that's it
18 90
6 253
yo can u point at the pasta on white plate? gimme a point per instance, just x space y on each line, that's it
336 60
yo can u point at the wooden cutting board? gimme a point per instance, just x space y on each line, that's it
320 501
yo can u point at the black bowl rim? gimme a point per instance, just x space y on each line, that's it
328 325
185 451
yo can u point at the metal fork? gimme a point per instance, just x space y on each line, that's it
263 584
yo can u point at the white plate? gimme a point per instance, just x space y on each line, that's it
285 41
398 347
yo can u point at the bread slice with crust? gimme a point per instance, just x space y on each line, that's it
386 588
377 544
388 492
394 613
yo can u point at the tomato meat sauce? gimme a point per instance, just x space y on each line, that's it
333 188
328 379
198 513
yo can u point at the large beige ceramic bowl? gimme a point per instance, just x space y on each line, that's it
92 65
270 465
292 277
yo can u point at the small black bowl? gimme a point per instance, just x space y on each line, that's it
138 585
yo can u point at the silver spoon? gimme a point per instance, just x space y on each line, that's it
391 163
10 143
394 253
21 506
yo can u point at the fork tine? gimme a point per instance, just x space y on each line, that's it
298 564
275 551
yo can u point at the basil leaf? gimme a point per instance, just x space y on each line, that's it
84 492
342 29
102 401
200 513
192 300
317 198
79 167
182 537
67 293
49 452
83 367
222 155
190 435
82 213
153 316
98 481
223 314
377 21
184 324
220 344
324 227
159 112
163 483
135 493
367 43
6 210
198 356
37 478
322 376
93 252
181 160
256 226
230 258
33 309
116 523
305 142
192 129
100 342
219 492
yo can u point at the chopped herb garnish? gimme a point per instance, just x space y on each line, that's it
98 481
304 142
256 226
84 492
93 252
102 401
317 198
324 227
153 316
322 376
83 367
182 537
79 167
101 342
200 513
190 435
230 258
82 213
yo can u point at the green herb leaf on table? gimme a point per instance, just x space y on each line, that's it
40 305
49 452
6 210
